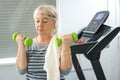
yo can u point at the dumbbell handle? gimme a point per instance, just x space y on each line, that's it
27 41
58 41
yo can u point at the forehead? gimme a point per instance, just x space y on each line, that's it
41 13
41 17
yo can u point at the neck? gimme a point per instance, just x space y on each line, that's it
43 39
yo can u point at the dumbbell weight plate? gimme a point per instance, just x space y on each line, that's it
75 36
57 41
28 41
14 35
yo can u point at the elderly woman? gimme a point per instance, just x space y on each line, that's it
30 60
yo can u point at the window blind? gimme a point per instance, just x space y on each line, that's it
16 15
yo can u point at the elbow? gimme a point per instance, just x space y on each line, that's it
64 67
21 66
66 71
21 71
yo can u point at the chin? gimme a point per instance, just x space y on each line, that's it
41 33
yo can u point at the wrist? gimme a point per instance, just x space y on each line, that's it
64 53
21 45
65 48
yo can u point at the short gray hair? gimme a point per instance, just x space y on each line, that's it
48 10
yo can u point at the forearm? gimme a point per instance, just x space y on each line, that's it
65 59
21 60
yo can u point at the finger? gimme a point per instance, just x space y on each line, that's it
21 35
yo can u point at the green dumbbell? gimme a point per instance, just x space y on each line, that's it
27 41
58 41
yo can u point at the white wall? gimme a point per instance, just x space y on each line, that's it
75 14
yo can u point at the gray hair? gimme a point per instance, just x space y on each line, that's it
48 10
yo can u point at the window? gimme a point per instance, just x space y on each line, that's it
16 15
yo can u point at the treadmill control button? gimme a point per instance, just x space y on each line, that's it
80 41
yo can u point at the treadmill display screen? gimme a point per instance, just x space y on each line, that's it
99 16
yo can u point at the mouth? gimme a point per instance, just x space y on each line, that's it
41 30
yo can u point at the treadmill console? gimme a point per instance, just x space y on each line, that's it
92 43
96 22
94 27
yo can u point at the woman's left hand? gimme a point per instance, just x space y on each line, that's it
65 59
66 41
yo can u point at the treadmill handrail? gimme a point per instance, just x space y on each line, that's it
83 47
105 41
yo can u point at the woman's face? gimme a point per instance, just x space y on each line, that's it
44 24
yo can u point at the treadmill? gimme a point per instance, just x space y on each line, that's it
92 42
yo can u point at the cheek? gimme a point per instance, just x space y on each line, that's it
36 26
53 25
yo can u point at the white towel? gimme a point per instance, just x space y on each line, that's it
51 65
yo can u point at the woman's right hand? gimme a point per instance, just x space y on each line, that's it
20 39
21 59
